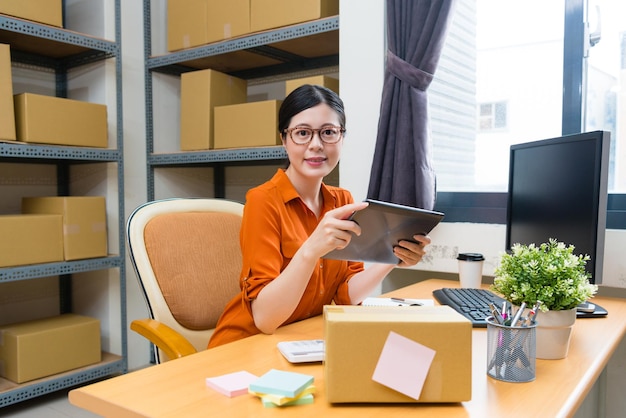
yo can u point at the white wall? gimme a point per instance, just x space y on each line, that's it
135 182
361 71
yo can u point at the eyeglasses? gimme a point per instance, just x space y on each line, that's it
328 134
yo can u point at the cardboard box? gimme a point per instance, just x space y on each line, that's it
30 239
200 92
268 14
320 80
7 116
227 19
55 120
186 24
84 223
49 12
193 23
355 337
252 124
34 349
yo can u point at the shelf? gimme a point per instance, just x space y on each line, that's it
271 54
231 156
11 392
49 154
34 271
288 49
44 45
49 49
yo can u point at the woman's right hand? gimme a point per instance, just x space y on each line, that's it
334 230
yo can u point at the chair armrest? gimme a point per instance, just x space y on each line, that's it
167 339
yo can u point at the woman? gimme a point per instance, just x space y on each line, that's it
293 220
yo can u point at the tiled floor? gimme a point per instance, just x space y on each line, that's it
54 405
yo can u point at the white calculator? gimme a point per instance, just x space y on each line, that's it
302 351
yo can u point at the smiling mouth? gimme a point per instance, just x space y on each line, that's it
315 160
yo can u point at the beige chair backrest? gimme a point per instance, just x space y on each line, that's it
187 258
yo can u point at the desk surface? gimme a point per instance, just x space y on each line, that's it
177 388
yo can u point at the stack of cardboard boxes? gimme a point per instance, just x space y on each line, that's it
191 23
49 229
35 118
215 113
56 228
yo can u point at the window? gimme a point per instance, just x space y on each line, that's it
605 101
511 71
492 62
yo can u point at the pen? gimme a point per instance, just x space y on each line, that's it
534 311
411 302
496 313
518 314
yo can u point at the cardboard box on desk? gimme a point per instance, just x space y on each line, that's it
84 223
200 92
320 80
268 14
30 239
7 116
34 349
247 125
192 23
55 120
49 12
356 335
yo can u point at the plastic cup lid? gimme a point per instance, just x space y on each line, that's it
470 257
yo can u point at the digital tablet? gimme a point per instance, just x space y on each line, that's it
383 225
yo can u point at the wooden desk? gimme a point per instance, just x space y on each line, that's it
177 388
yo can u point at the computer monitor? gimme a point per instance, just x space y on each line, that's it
558 189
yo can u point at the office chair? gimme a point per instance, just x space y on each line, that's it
187 258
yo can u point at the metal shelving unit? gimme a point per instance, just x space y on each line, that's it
59 50
304 47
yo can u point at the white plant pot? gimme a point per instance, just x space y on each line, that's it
554 330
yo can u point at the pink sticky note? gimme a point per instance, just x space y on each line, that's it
403 365
232 384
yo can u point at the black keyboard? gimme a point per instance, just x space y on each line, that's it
471 303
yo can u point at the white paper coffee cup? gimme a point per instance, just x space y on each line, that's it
470 269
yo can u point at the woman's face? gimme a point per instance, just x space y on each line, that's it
316 159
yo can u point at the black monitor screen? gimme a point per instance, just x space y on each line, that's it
558 189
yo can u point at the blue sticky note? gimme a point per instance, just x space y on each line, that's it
281 382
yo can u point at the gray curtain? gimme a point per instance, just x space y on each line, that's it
402 167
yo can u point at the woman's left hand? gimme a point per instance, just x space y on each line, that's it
411 253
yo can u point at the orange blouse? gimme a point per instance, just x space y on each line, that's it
275 224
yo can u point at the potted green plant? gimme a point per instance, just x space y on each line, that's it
549 273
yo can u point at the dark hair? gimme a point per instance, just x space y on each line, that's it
305 97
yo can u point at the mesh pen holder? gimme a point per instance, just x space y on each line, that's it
511 352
